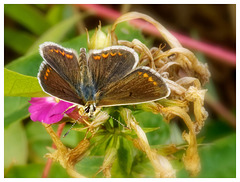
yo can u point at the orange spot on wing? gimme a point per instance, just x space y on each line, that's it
45 78
105 55
51 50
119 53
97 57
154 83
139 73
145 75
56 50
46 74
69 56
113 54
63 53
150 79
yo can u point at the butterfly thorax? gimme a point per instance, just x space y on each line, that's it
86 85
87 93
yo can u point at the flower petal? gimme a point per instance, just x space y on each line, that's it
48 110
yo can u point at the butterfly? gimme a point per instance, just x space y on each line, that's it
106 77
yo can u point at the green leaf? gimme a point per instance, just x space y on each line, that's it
100 144
123 165
18 41
53 34
73 138
15 109
38 140
124 31
219 158
148 120
28 16
15 145
57 171
25 171
60 12
36 131
27 65
55 14
141 166
36 171
89 166
146 130
43 7
215 129
16 84
176 134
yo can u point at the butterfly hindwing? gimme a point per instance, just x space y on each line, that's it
141 85
52 83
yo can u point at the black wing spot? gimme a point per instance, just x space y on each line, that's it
130 94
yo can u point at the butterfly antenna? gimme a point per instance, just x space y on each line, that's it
73 125
115 119
69 129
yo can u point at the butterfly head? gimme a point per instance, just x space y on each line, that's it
90 108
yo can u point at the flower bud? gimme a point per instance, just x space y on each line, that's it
99 40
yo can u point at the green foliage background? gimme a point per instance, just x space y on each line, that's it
25 141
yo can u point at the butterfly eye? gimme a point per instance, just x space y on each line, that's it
87 109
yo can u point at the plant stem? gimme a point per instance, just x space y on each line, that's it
49 161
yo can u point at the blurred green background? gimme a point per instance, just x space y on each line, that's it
27 26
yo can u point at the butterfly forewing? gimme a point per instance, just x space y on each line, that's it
111 64
141 85
63 61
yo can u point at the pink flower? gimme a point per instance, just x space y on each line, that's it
48 110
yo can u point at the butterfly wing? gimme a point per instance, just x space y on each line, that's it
63 61
111 64
68 78
141 85
53 84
